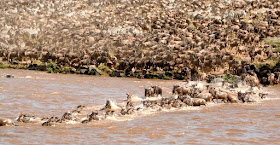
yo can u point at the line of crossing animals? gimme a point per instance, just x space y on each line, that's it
191 94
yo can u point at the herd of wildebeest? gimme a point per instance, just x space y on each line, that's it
144 39
190 94
188 40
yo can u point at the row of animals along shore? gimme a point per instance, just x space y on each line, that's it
264 74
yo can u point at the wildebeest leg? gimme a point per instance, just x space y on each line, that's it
225 100
214 100
145 93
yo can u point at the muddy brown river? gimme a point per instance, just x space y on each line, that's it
43 94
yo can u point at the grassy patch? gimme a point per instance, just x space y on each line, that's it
231 78
165 77
53 68
91 72
132 74
49 70
270 62
258 65
105 69
65 70
122 74
5 64
22 66
274 42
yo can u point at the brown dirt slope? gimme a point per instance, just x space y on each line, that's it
163 39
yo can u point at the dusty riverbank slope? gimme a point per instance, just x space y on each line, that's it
152 39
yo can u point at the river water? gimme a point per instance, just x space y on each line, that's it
43 94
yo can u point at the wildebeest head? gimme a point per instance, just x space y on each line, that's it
93 116
128 96
241 96
174 88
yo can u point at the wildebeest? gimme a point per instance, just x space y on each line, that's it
219 94
90 117
6 122
111 107
51 121
244 97
206 96
178 90
194 101
149 92
157 90
262 95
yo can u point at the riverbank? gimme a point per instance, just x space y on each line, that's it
145 39
265 73
91 70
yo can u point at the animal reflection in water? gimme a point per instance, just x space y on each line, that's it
191 94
